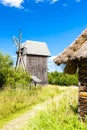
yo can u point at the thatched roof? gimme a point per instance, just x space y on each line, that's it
77 50
36 48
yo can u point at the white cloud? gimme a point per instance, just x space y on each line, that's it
64 4
14 56
78 0
51 58
53 1
52 66
13 3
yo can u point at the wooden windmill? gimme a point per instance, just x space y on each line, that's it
32 57
20 51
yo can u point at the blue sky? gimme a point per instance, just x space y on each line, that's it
56 22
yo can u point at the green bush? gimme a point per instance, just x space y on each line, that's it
9 76
18 78
5 64
62 79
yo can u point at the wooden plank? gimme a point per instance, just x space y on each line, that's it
82 68
83 61
36 65
82 94
82 114
82 73
83 100
83 106
82 89
85 111
83 80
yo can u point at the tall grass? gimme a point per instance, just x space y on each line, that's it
60 115
16 101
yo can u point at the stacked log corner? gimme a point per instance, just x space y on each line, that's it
82 94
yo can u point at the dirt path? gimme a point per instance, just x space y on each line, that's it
18 123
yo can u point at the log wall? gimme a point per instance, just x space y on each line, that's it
82 94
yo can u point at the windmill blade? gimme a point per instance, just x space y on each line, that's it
20 50
16 41
20 37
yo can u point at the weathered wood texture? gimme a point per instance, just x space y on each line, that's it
37 66
82 94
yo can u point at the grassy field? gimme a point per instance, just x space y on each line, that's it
14 102
62 115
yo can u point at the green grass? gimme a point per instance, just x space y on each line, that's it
60 115
14 102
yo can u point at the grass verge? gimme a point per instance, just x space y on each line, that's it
17 101
62 115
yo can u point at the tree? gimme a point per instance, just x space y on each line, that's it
5 63
18 78
62 79
9 76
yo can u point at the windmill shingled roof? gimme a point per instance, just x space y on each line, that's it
36 48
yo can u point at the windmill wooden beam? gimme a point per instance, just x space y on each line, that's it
19 52
75 57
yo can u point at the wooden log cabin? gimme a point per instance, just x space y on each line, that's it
35 56
75 58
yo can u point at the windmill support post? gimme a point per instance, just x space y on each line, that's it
82 93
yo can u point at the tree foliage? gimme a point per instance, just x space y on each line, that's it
18 78
9 76
62 79
5 64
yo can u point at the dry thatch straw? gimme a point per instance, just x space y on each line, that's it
70 56
71 67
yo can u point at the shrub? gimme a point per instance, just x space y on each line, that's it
9 76
5 63
62 79
18 78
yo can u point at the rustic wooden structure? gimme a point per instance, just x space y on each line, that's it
75 58
34 57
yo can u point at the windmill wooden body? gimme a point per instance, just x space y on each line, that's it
75 58
32 57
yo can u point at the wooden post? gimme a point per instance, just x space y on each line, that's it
82 93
